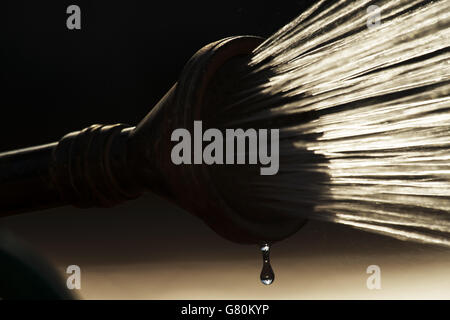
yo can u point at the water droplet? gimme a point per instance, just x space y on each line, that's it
267 276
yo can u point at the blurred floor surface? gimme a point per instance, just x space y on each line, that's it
149 249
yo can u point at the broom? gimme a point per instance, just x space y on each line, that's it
360 92
361 101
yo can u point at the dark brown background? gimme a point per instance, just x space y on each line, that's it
123 60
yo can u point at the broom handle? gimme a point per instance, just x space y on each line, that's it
25 180
85 168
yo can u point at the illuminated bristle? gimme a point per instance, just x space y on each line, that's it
365 107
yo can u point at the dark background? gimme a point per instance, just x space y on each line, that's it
122 61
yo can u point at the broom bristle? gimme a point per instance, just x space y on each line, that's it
364 117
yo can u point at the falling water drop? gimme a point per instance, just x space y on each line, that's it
267 276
